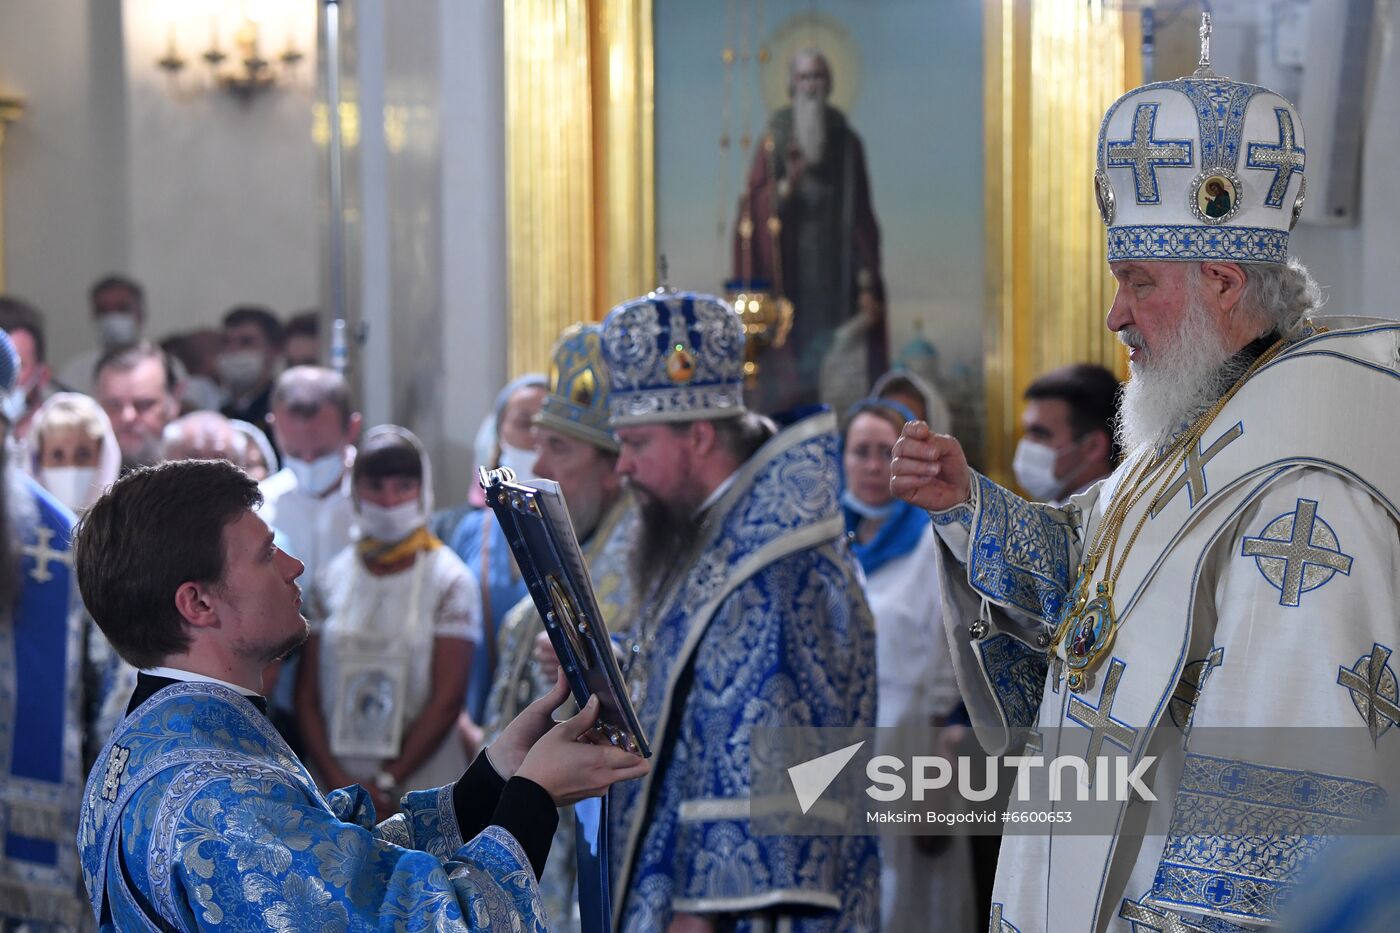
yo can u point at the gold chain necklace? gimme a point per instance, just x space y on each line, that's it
1090 624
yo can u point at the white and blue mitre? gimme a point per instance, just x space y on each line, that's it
577 403
674 356
1200 168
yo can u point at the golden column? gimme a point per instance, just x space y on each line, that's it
580 212
11 109
1052 69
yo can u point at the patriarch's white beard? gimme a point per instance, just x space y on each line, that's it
1188 372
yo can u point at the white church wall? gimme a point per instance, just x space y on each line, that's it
66 201
426 220
1379 236
472 130
223 192
1272 42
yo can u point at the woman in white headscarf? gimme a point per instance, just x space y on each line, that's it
75 452
918 394
383 676
259 460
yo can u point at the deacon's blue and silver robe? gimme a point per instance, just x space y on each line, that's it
41 721
1263 595
768 628
198 816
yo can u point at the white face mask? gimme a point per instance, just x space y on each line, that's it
69 484
202 394
865 510
520 459
1034 466
118 328
391 524
319 475
241 369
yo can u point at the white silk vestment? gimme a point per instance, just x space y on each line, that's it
1263 595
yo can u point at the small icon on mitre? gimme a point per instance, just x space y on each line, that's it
680 365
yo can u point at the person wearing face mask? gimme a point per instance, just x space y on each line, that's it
916 688
198 352
308 502
76 456
50 688
247 365
382 677
24 324
1067 442
119 317
478 539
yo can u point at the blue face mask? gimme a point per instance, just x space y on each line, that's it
874 512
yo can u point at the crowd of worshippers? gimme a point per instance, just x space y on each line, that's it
437 591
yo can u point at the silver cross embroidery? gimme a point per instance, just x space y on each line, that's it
1099 720
1145 154
1143 917
1283 159
1297 552
1193 476
44 555
997 924
1373 689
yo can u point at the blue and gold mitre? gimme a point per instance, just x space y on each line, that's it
1200 168
674 356
577 403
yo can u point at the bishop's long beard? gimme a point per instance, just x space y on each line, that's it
665 538
1186 374
809 127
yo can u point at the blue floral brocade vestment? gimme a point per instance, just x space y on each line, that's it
198 817
769 627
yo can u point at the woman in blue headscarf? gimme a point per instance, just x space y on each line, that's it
895 545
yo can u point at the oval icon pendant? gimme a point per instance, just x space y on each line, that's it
1087 639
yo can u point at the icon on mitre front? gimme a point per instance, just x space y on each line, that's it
680 365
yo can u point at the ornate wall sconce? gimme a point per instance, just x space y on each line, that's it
237 65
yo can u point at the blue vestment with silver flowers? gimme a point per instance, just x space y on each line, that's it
768 627
197 816
42 721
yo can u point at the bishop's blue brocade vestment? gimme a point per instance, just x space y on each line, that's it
41 722
769 627
197 816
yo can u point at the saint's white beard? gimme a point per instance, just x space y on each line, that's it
809 127
1180 380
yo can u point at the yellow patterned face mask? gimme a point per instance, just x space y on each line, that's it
379 556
